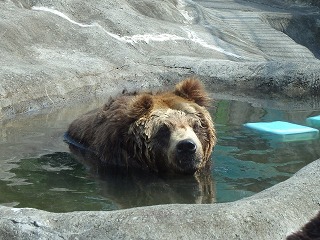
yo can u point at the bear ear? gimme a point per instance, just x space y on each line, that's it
140 105
193 90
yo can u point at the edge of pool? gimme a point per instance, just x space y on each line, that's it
271 214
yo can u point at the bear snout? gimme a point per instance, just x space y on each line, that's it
185 150
187 156
187 146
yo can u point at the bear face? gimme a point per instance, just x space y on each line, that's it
175 140
166 132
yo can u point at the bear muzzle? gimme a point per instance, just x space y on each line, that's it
187 158
187 146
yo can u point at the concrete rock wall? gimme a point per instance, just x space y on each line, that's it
54 53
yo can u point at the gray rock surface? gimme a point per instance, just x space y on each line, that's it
271 214
54 53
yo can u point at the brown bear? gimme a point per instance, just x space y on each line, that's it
163 132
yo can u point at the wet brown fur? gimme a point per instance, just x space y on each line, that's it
311 231
117 133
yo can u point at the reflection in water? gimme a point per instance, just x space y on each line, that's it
54 182
246 162
37 170
132 188
135 190
59 183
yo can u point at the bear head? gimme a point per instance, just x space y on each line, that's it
171 132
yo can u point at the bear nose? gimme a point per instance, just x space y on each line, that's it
186 146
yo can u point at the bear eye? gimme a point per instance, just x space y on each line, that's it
163 131
196 126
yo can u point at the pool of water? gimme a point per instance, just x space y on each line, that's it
38 171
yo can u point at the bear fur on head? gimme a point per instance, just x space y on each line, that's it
163 132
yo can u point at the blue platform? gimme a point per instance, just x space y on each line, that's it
284 131
314 121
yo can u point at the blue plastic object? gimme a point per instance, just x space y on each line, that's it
284 131
314 121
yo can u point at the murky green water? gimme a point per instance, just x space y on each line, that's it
37 170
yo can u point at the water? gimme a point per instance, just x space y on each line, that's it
246 162
38 171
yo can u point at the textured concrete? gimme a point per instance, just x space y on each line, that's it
54 53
